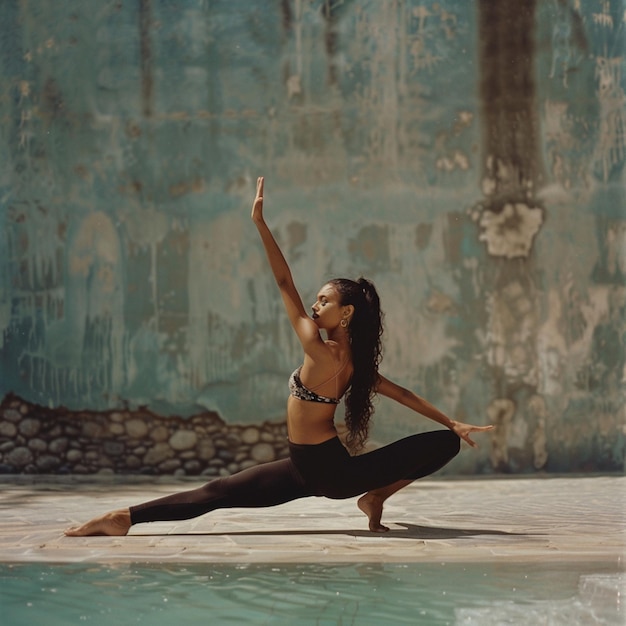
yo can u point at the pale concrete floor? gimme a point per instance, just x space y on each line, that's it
503 519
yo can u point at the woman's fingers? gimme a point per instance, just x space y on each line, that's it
470 441
466 429
257 205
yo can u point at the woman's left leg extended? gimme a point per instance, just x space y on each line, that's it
263 485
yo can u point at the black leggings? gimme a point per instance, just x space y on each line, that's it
324 469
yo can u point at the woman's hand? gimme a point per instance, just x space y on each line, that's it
464 431
257 205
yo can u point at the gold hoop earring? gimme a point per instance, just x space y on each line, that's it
344 323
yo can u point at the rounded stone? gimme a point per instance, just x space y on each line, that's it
225 455
183 440
206 450
11 415
19 457
113 448
160 433
116 417
7 429
117 429
233 440
170 465
58 446
136 428
192 467
103 461
7 446
91 430
37 445
29 427
74 455
47 463
250 435
263 453
133 462
157 454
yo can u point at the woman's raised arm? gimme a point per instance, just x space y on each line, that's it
304 326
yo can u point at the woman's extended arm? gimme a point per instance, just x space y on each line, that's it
416 403
304 326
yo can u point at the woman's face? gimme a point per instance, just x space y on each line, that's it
327 309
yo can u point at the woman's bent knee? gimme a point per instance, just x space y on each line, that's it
452 442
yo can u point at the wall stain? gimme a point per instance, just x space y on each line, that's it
145 51
508 97
371 248
331 38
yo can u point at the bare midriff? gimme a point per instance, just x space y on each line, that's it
310 422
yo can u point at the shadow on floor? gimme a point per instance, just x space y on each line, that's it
410 531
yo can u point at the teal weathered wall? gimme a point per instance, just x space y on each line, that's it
468 156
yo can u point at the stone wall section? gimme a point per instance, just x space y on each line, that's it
38 440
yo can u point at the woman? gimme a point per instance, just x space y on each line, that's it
319 465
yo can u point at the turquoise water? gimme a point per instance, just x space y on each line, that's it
474 594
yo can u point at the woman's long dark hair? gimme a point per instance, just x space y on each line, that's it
365 331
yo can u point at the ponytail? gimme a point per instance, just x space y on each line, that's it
365 331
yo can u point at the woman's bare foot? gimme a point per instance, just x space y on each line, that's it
372 506
116 523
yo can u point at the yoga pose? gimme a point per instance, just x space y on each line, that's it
344 364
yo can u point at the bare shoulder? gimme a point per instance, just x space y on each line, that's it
336 351
324 354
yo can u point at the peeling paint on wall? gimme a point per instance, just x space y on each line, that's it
510 232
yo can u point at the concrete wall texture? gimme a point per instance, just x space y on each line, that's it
466 155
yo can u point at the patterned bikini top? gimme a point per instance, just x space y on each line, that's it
298 390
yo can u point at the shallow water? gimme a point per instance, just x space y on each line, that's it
468 594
